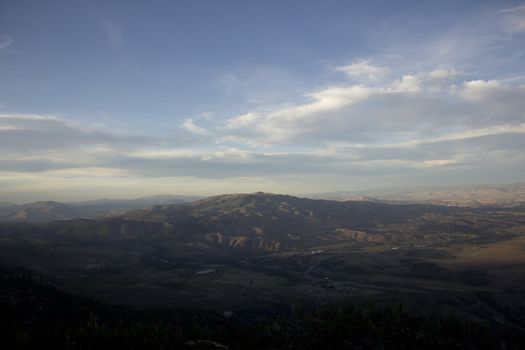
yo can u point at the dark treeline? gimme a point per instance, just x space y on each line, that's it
36 315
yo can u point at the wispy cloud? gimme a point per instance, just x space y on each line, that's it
407 123
189 125
5 41
437 106
514 19
114 32
364 69
33 133
420 104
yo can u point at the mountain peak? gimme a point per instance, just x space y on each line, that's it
240 200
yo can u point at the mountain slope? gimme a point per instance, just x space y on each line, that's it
272 222
46 211
245 251
262 222
502 195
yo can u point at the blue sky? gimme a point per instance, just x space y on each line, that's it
128 98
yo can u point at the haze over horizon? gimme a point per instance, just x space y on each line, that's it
493 193
127 99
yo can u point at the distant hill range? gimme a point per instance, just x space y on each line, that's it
483 195
471 196
263 222
46 211
264 251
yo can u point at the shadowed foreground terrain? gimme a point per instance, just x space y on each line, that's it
236 258
36 314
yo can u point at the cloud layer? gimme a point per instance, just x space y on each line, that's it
448 109
422 124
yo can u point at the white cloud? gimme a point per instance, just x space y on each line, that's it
283 124
443 99
364 69
497 102
19 116
409 83
415 124
473 133
241 121
519 8
434 80
333 110
418 105
437 163
8 128
27 134
383 129
189 125
479 89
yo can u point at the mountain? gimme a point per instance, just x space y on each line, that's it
6 204
271 222
256 252
472 196
502 195
141 202
46 211
40 211
262 222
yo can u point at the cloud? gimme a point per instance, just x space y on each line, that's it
113 31
434 80
478 89
5 41
241 121
189 125
435 119
497 102
420 104
396 124
364 69
474 143
514 19
480 41
454 151
26 133
255 85
284 124
444 103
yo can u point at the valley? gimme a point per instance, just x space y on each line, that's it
257 254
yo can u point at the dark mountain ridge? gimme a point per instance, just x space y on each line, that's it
46 211
257 251
262 222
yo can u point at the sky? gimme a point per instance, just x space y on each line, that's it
120 99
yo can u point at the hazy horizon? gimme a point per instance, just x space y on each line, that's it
127 99
30 198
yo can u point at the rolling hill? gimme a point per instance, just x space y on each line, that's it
480 195
46 211
260 251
